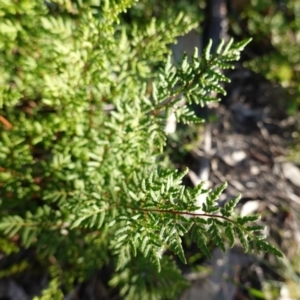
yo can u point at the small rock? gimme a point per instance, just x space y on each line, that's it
250 207
292 173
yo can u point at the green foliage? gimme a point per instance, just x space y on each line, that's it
275 25
196 80
139 280
52 292
84 111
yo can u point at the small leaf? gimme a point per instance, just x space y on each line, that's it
135 179
100 219
112 223
227 47
230 234
156 261
255 228
219 49
214 229
242 238
263 245
121 238
214 195
198 236
231 205
133 195
28 235
207 50
153 196
133 247
144 243
177 248
248 219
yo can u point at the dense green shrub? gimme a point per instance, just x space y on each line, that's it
275 27
83 179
